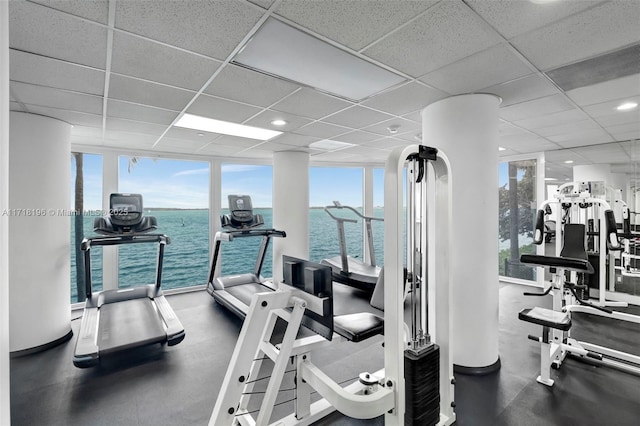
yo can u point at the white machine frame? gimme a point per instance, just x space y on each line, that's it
384 391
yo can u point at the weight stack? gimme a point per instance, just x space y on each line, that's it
422 386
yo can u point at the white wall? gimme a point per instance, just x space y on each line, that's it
39 255
5 406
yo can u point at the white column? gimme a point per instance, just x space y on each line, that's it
5 406
39 234
290 207
465 128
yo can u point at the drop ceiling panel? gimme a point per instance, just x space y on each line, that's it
354 24
266 4
549 120
358 137
586 34
95 10
56 98
545 105
120 124
568 128
623 129
244 85
35 69
386 144
15 106
523 90
438 38
295 140
309 103
608 153
221 109
147 93
356 117
403 126
236 141
137 57
219 150
128 140
617 119
619 88
265 118
138 112
181 133
277 147
607 109
80 131
179 145
627 136
322 130
38 29
210 28
72 117
410 97
512 18
495 65
581 138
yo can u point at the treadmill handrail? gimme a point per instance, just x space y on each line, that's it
114 240
239 233
338 206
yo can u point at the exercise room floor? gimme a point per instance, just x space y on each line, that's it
179 385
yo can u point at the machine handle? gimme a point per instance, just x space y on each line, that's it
538 235
613 243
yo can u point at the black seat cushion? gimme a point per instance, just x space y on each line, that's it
568 263
358 327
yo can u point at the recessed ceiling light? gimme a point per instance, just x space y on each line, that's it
393 129
627 106
501 148
200 134
568 162
330 145
224 127
278 122
549 179
281 50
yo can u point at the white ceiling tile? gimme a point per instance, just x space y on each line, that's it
414 116
236 141
295 140
581 138
265 4
354 24
518 139
211 28
252 87
179 145
221 109
356 117
617 119
275 146
265 118
506 129
405 99
182 133
309 103
147 93
483 69
403 126
130 126
56 98
549 120
72 117
386 144
627 136
15 106
568 128
85 140
95 10
322 130
219 150
589 33
438 38
87 131
536 107
43 71
137 112
120 139
137 57
609 90
622 129
608 109
512 18
38 29
359 137
523 89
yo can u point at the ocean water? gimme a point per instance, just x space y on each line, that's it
187 257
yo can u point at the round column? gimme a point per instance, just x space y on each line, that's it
290 207
465 128
39 234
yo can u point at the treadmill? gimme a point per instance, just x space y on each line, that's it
235 292
346 269
121 319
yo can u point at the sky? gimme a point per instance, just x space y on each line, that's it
185 184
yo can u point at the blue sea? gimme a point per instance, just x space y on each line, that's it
187 257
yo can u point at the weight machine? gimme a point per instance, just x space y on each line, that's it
415 387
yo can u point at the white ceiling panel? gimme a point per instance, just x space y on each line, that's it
624 128
236 141
322 130
128 140
292 139
549 120
130 126
265 118
43 71
94 10
148 93
581 138
523 89
495 65
38 29
402 125
137 57
568 128
219 150
244 85
606 109
354 24
356 117
586 34
87 132
211 28
56 98
179 145
221 109
546 105
385 143
407 98
75 117
184 134
609 90
138 112
512 18
309 103
627 136
15 106
619 118
275 146
359 137
266 4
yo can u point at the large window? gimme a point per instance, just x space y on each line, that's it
256 181
86 204
177 193
517 210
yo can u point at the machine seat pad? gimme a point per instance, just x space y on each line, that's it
546 318
568 263
358 327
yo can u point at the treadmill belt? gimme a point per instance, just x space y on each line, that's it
245 292
128 324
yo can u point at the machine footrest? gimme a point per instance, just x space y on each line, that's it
546 318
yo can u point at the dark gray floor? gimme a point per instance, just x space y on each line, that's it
178 385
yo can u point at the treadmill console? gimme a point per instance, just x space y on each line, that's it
125 216
241 213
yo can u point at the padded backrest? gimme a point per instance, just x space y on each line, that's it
573 244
